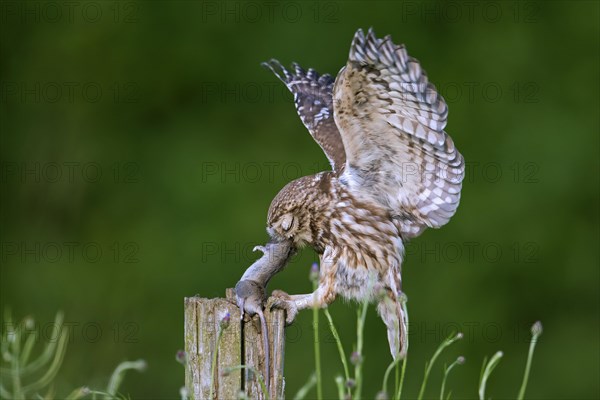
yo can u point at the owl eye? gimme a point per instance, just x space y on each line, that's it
287 222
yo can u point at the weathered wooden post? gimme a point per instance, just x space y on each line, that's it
240 344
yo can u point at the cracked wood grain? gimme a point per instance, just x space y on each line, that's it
202 320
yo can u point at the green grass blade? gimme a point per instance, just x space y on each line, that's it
28 347
401 383
360 331
117 377
52 370
78 393
360 328
487 371
459 361
536 331
338 342
339 382
303 391
314 277
213 364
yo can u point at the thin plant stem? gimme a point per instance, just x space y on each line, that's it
487 371
339 382
303 391
117 377
340 347
428 366
360 328
536 331
458 361
265 337
317 352
16 381
397 380
401 384
213 365
29 342
317 342
386 376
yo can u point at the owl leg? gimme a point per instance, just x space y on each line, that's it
320 298
392 311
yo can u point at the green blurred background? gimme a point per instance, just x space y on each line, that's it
142 143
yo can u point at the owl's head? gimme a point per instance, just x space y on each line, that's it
295 209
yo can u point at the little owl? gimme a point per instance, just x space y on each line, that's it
395 172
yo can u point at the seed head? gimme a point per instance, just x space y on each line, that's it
314 272
381 396
224 324
356 358
181 357
537 329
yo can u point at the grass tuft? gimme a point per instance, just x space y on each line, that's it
350 387
17 346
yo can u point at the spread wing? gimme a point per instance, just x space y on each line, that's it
391 120
313 98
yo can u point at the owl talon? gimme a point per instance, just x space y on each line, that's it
281 294
283 301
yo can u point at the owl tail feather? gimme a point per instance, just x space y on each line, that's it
393 312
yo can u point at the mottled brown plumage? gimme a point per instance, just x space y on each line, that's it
395 173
